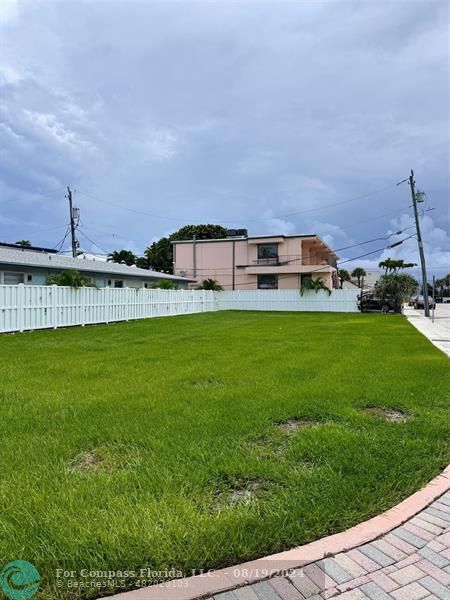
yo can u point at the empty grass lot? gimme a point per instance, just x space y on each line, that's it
173 443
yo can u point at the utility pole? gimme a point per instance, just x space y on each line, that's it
72 224
426 305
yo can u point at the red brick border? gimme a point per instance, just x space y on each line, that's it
215 582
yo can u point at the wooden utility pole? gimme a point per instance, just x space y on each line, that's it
426 305
72 224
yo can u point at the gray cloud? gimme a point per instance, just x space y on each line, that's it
242 113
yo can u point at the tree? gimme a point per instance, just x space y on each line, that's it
160 253
315 285
442 285
397 287
201 232
210 284
70 278
343 275
393 265
165 284
123 257
142 262
23 243
359 273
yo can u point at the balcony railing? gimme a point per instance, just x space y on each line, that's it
294 259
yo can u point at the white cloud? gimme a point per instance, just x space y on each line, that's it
8 11
331 234
223 111
160 145
436 246
54 129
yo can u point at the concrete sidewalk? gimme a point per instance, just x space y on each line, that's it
410 563
439 331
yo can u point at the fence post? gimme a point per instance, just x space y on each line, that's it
54 297
21 306
106 300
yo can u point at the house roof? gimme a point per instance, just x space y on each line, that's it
26 258
33 248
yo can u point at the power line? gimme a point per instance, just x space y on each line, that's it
178 219
92 242
60 244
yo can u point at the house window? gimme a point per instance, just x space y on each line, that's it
13 278
267 282
118 283
267 251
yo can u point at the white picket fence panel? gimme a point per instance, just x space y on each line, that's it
337 301
28 307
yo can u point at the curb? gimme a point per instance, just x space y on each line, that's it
215 582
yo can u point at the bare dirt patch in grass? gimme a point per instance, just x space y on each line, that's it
390 414
294 424
240 491
106 458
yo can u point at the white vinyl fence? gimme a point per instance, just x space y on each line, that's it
28 307
24 307
337 301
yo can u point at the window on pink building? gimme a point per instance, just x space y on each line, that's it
267 282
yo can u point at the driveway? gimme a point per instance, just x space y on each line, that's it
438 332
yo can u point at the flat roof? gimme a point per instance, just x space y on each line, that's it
28 247
25 258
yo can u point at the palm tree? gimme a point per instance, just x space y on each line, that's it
343 275
23 243
124 257
390 264
359 274
315 285
210 284
71 278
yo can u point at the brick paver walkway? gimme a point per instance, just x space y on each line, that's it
411 562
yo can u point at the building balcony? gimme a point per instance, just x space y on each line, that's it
289 263
293 261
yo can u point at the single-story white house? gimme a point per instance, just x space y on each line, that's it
32 265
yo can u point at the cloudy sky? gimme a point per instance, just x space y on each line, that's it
282 117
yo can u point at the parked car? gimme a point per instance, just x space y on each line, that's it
368 302
442 299
419 302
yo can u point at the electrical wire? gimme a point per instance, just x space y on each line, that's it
178 219
60 244
92 242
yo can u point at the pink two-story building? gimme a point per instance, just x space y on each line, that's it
245 262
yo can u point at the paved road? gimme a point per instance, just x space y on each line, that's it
438 331
411 562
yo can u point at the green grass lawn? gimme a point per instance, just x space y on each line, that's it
155 443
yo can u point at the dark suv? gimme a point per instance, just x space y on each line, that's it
419 302
368 302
